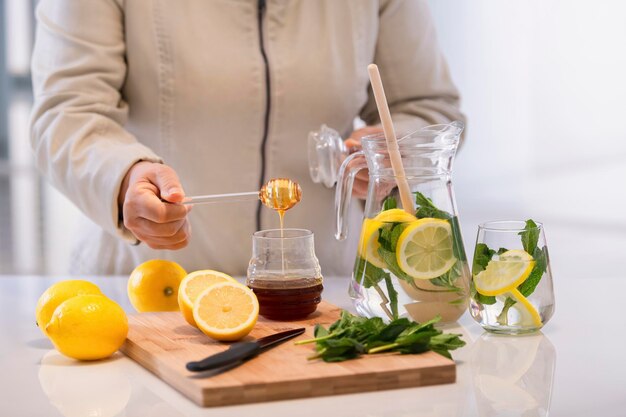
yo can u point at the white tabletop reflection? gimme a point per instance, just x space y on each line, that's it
496 375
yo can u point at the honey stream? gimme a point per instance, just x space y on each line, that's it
281 194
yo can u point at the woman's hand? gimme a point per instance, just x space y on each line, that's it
361 181
148 200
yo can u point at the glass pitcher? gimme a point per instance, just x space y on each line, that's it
410 260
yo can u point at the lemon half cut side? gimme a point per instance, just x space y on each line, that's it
226 311
193 285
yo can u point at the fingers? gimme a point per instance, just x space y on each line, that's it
363 175
152 208
145 230
166 180
160 224
359 189
365 131
354 141
174 235
353 144
172 230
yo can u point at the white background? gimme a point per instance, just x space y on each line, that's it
543 87
544 92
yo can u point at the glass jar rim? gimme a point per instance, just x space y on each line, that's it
507 226
275 234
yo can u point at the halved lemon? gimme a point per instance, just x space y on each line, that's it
529 316
192 286
424 249
504 274
368 245
395 216
226 311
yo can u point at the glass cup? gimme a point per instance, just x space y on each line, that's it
511 287
285 274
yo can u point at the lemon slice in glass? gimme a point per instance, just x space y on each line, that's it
529 316
424 249
226 311
368 245
395 216
504 274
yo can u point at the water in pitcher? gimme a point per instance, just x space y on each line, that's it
411 261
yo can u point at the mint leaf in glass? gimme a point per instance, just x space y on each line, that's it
530 236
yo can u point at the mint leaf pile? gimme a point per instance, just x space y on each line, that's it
351 337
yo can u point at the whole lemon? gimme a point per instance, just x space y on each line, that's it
88 327
58 293
153 286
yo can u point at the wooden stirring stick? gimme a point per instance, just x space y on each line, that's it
406 197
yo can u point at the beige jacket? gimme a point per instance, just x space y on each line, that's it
225 92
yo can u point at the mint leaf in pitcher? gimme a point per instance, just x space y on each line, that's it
367 274
390 203
426 208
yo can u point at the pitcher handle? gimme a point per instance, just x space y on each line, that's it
343 194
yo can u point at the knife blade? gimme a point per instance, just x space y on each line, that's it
239 352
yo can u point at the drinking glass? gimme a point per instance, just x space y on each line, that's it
511 287
285 274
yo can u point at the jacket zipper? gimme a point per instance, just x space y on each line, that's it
261 12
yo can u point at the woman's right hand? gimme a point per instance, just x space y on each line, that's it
149 199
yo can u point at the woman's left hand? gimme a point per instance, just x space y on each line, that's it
361 181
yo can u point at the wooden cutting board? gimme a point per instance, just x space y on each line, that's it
163 343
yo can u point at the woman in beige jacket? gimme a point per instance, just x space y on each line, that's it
141 99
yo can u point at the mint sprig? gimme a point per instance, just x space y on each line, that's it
351 337
530 236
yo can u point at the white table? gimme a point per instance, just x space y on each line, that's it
577 367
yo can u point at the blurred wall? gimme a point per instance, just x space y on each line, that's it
544 91
543 87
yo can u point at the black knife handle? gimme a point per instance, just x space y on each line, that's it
236 353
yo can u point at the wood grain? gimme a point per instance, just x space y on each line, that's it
163 343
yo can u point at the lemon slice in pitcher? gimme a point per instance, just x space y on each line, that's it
504 274
395 215
368 245
424 249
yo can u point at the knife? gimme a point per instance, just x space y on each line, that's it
239 352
